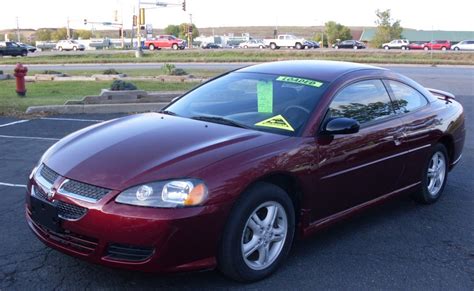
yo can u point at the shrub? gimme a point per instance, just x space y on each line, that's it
168 68
51 72
111 72
1 72
178 72
120 85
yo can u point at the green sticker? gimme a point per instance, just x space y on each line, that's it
265 96
306 82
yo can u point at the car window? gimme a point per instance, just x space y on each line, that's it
363 101
265 102
407 98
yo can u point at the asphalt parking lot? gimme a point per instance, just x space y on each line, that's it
400 245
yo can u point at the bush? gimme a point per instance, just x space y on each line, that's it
111 72
51 72
178 72
1 72
120 85
170 69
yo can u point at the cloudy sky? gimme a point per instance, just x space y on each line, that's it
412 13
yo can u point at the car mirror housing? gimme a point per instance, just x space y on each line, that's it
341 125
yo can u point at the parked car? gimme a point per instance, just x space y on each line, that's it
252 43
309 44
465 45
165 41
437 45
69 45
10 48
285 40
30 48
210 45
351 44
396 44
230 173
416 45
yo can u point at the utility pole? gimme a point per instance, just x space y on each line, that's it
139 52
68 30
190 31
17 30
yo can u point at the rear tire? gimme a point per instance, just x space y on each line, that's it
434 176
443 48
273 46
60 49
336 47
24 53
74 48
355 47
456 48
175 46
151 47
298 46
386 47
426 48
258 234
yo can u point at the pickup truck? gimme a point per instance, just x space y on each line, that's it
285 40
165 41
10 48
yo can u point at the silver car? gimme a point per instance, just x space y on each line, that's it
465 45
252 43
69 45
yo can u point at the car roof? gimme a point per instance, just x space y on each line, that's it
317 70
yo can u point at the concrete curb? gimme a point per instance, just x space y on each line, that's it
96 108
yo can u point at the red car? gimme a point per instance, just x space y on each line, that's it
165 41
232 172
437 45
416 45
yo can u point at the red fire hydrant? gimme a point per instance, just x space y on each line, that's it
20 73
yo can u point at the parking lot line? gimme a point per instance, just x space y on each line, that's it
14 122
29 137
12 185
71 119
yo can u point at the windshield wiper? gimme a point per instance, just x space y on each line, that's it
220 120
168 112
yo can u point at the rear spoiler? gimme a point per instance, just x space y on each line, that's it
441 94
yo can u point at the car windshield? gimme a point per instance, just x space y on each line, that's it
271 103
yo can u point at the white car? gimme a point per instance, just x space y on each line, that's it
465 45
252 43
69 45
396 44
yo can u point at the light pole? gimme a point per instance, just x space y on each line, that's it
139 52
17 30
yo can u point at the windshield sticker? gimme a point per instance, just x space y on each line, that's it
301 81
265 96
276 122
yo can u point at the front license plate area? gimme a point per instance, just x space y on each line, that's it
45 214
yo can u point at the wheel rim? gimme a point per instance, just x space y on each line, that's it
436 173
264 235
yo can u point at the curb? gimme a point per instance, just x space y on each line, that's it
96 108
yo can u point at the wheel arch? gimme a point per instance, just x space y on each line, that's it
448 142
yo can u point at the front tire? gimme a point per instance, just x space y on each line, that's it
151 47
298 46
426 48
258 234
434 176
175 46
273 46
386 48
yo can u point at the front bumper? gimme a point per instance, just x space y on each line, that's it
137 238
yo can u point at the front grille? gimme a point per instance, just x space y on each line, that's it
121 252
79 243
38 192
69 211
48 174
82 189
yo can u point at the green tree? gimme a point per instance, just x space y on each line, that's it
387 28
43 34
83 34
173 30
335 31
59 34
183 32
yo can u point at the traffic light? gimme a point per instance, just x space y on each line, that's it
184 5
142 16
134 20
190 28
85 21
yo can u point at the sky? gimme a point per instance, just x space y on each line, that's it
417 14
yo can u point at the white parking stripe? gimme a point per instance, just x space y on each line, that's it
29 137
14 122
12 185
72 119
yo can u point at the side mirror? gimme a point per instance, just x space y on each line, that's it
341 125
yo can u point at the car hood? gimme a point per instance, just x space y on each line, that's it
148 147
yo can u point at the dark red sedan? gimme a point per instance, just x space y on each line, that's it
231 173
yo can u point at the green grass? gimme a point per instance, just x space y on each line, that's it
56 93
168 56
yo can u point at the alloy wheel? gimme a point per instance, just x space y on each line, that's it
264 235
436 173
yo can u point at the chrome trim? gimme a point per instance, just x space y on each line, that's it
42 182
374 162
73 195
33 193
457 160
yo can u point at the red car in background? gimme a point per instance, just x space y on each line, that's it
165 41
415 45
437 45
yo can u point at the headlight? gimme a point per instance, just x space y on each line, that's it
165 194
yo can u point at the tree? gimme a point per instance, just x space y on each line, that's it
173 30
183 32
335 31
43 34
83 34
59 34
387 28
